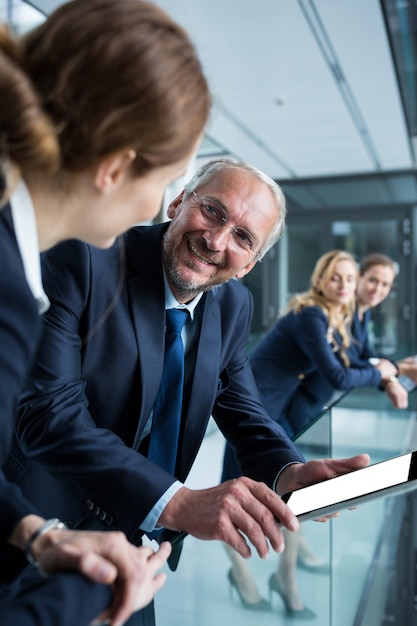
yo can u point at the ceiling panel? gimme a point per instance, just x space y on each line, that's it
256 53
382 190
302 89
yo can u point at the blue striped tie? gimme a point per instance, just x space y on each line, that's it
166 420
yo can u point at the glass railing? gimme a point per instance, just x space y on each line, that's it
364 541
358 547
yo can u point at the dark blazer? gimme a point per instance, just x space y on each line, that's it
296 347
89 401
47 602
63 599
296 371
316 389
19 332
360 349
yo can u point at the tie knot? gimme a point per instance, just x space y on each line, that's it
175 320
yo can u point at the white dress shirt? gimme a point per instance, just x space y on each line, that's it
24 221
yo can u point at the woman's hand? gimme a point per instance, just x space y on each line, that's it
105 557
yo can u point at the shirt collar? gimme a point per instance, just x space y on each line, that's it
172 303
24 222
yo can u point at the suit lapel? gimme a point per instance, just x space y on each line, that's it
146 300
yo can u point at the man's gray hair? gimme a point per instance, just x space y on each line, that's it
209 170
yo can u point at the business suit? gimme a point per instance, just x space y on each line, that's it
315 389
48 602
64 599
19 333
297 347
101 479
360 349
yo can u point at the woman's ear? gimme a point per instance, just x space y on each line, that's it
112 168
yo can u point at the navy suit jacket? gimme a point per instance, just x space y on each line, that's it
19 332
47 602
316 390
360 349
89 400
65 599
296 369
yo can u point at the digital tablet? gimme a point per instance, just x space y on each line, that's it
387 478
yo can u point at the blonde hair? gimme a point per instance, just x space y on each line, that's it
339 320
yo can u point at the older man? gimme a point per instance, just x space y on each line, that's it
87 423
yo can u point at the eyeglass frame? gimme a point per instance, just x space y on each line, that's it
224 221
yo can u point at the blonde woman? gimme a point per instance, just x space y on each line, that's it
376 278
313 336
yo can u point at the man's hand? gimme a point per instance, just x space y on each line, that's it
229 512
105 557
300 475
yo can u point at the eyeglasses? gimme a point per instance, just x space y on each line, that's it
213 214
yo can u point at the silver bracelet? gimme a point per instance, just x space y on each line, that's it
50 524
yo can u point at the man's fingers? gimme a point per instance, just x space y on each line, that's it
257 517
342 466
273 503
234 538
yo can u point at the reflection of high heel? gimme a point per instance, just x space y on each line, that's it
320 568
304 613
261 605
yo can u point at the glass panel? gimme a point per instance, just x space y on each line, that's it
360 537
198 593
358 545
254 282
304 248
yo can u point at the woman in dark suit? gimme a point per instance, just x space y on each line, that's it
376 277
102 107
312 337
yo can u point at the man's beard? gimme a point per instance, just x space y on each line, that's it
185 289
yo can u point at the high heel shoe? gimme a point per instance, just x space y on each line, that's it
261 605
304 613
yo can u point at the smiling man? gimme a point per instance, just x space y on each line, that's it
96 378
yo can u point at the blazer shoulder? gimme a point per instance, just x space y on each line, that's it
73 266
232 290
313 313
